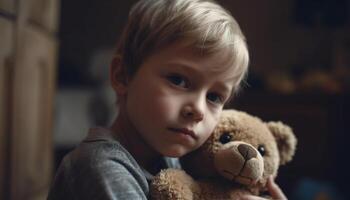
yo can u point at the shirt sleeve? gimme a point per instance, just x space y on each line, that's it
101 177
108 180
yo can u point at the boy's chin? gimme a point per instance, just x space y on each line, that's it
175 152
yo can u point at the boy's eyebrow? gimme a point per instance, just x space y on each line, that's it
183 65
188 67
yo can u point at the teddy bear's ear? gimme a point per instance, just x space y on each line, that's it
286 140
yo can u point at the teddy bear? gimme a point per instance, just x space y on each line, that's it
238 157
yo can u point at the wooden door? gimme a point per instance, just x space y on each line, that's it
27 84
33 87
6 52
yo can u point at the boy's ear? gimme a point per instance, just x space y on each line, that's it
118 76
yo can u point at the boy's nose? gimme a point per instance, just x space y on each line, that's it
189 112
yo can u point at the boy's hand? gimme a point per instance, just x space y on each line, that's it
274 190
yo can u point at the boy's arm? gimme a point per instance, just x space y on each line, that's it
110 180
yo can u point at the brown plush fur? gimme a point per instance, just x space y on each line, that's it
229 163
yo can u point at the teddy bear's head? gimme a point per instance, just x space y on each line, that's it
242 149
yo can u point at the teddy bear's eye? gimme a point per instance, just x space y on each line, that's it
261 149
225 138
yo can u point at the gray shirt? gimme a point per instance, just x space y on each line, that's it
101 168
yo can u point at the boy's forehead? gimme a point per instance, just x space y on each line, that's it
215 66
183 52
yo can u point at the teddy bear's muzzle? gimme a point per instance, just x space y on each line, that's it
239 162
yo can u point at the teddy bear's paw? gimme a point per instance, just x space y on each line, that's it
174 184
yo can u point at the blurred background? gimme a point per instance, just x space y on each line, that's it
55 59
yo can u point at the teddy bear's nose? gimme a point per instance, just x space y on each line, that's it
247 151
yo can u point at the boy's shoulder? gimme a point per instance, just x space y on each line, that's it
99 147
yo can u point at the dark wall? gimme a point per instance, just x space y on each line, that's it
87 25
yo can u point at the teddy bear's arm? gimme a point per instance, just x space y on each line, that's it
174 184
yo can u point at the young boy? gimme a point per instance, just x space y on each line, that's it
177 63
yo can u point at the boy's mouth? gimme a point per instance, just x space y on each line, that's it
184 131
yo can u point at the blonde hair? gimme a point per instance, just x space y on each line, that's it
204 24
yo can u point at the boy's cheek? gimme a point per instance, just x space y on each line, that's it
215 115
159 108
168 103
213 122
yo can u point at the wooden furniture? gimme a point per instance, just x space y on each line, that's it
27 81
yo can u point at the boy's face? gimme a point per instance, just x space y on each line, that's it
175 99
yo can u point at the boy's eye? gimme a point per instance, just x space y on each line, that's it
178 80
215 98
